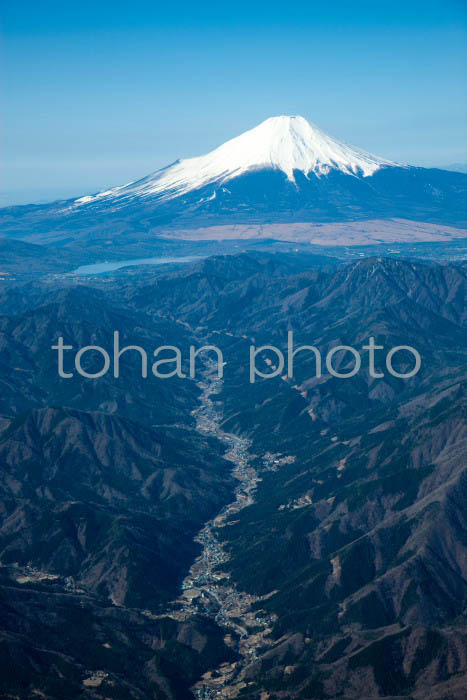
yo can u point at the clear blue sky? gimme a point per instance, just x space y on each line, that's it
96 94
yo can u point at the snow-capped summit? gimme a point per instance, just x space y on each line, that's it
287 144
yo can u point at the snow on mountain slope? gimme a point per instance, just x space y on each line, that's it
282 143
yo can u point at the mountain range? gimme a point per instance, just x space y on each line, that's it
344 572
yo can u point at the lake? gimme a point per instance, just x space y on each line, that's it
102 267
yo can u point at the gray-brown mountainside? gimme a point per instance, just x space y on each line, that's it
359 535
362 536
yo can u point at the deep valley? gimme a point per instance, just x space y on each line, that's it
293 538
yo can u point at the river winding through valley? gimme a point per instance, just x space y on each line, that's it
209 591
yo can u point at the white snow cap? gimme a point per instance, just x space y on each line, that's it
282 143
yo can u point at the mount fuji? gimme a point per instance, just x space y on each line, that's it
286 178
286 144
